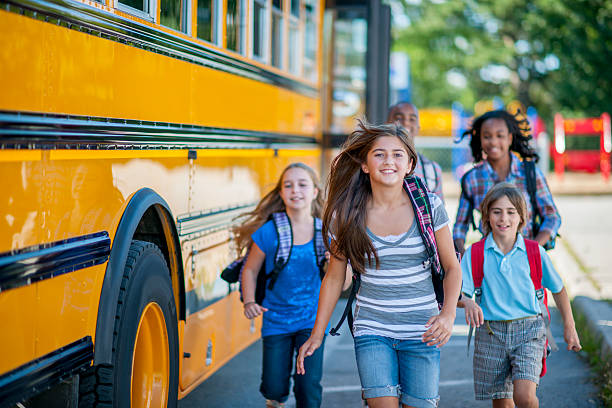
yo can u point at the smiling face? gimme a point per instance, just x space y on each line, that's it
495 139
407 116
297 189
387 162
503 218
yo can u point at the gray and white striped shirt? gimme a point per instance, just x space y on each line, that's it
397 299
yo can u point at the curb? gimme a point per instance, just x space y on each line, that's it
598 315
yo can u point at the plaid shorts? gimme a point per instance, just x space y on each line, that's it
505 351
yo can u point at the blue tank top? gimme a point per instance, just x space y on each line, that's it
292 303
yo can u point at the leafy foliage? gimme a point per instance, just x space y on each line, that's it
552 54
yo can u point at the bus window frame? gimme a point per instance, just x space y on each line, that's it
187 9
242 28
150 15
278 13
264 35
217 23
315 17
294 21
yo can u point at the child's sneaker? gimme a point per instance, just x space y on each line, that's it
274 404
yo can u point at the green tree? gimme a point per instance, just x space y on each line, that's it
552 54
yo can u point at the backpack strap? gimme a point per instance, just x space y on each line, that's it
430 176
535 272
530 180
284 233
477 258
348 309
423 212
319 246
469 199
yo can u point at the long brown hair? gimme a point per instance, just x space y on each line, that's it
514 196
271 203
349 190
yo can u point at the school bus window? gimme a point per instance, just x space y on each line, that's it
294 42
295 8
259 29
310 41
173 14
204 19
277 34
136 7
235 23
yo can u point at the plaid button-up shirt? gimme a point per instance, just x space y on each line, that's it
482 177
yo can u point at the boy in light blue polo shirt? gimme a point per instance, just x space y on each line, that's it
510 328
509 294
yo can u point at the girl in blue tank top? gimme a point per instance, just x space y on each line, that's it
290 307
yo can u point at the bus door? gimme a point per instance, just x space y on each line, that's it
356 67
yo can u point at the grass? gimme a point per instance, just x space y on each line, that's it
591 344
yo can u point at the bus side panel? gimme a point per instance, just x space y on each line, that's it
88 192
20 220
66 308
17 325
82 74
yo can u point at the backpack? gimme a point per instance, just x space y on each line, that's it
530 181
430 176
423 212
535 268
233 272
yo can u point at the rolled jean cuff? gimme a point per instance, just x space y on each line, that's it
420 402
385 391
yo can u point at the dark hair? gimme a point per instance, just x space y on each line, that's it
517 126
495 193
349 190
271 203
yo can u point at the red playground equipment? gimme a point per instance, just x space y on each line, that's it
582 160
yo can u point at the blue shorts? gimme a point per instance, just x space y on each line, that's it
393 368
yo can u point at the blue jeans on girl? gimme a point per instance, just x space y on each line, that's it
279 354
407 369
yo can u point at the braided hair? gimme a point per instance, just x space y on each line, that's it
518 127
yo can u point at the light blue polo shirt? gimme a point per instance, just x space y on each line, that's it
507 290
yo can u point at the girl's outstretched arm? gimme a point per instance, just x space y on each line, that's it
569 327
249 281
440 327
331 288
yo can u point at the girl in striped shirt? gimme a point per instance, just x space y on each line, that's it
398 328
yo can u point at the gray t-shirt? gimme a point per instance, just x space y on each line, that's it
397 299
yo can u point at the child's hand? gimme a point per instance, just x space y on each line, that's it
306 350
252 310
571 338
440 329
473 313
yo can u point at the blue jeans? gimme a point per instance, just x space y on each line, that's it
279 354
393 368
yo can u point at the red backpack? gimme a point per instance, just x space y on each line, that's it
535 267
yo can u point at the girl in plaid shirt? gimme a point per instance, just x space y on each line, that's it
500 146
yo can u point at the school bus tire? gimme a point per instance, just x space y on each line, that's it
144 369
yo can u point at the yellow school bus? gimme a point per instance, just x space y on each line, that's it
132 132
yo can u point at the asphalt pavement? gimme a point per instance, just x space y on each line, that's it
569 382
